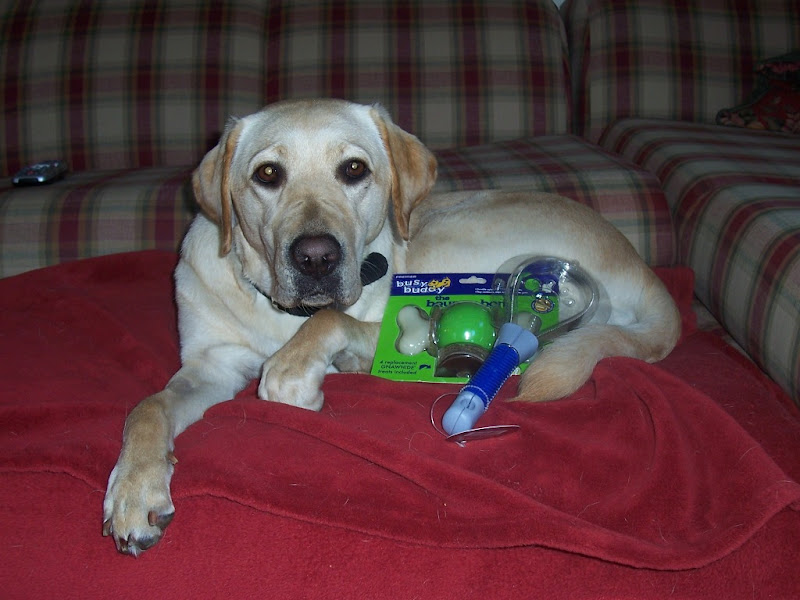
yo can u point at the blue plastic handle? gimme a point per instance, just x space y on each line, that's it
514 346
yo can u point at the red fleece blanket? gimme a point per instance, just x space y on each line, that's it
650 478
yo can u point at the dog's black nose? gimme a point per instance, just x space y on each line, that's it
316 255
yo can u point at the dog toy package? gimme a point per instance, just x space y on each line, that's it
479 327
442 326
534 284
437 327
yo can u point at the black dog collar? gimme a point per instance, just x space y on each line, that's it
373 268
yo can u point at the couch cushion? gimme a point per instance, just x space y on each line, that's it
93 213
628 196
735 199
103 212
691 159
113 85
672 60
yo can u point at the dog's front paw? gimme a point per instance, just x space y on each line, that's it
138 506
292 381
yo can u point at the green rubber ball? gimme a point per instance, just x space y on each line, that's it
466 323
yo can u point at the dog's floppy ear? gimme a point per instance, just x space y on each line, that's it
413 168
211 183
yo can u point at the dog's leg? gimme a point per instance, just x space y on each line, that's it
294 374
138 505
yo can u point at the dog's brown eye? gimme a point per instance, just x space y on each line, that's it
354 170
268 173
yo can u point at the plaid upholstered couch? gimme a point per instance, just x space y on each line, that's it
674 480
131 95
650 77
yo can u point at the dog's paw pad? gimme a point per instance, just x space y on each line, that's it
136 545
159 520
136 542
137 507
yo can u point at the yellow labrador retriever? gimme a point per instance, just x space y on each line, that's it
309 207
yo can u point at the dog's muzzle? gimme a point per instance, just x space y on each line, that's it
315 260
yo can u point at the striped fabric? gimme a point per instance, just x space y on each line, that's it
735 199
103 212
93 213
671 59
106 84
629 197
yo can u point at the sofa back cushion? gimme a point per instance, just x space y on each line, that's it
673 59
113 84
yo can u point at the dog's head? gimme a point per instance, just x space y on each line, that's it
304 191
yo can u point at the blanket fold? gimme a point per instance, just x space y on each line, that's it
645 465
636 468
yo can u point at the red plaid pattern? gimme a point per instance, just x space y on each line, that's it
103 212
115 85
735 198
629 197
132 95
680 60
93 213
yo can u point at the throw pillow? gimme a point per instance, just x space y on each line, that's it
775 104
